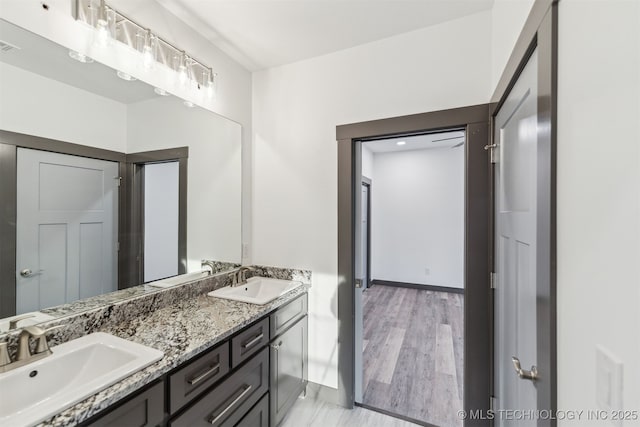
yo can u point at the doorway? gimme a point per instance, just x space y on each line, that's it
412 310
476 360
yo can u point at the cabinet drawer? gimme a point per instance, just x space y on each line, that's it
144 410
226 404
249 341
287 315
197 376
258 416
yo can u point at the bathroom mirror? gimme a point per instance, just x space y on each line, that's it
112 182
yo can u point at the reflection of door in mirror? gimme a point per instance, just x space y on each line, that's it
161 219
66 229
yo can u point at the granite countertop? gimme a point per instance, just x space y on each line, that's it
181 331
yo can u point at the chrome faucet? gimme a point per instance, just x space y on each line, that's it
240 276
24 355
210 264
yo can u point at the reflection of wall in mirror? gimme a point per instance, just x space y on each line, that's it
35 105
214 171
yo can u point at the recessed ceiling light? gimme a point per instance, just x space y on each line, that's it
161 91
400 143
80 57
125 76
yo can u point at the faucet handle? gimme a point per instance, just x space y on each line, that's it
41 335
4 354
13 323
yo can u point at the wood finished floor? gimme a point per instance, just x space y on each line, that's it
413 344
310 412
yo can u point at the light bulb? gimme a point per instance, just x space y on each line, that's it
102 34
161 91
210 85
125 76
147 58
188 104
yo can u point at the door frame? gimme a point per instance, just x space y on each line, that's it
475 121
129 196
367 182
540 31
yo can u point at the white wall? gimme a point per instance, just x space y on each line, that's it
296 109
507 19
598 197
214 175
417 217
36 105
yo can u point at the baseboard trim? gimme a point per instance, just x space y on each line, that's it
417 286
322 392
391 414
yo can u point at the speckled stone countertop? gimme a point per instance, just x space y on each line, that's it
181 330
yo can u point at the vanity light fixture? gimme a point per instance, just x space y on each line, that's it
105 23
147 46
182 62
195 76
125 76
80 57
210 82
161 91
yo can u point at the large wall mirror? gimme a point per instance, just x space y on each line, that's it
106 182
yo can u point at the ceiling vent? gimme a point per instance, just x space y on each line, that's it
7 47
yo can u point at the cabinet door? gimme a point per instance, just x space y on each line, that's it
288 376
144 410
258 416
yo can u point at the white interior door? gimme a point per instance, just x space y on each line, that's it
516 136
66 231
161 212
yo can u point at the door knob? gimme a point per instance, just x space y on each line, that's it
27 272
522 373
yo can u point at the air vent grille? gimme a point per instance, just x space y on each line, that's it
7 47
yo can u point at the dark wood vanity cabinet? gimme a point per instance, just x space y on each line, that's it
249 380
288 370
146 409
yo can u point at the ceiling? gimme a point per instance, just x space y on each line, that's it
450 139
266 33
41 56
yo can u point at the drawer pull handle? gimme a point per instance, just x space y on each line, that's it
231 405
253 341
276 347
195 380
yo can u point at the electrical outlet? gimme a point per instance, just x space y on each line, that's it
608 382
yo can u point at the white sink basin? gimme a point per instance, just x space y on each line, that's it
76 370
257 290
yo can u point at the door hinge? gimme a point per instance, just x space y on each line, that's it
492 280
358 283
119 180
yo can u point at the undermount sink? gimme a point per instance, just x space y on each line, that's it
257 290
76 370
